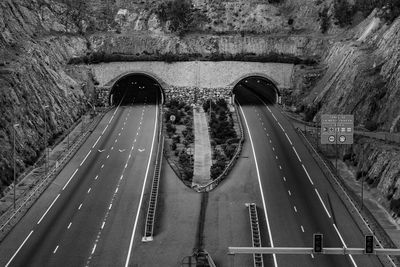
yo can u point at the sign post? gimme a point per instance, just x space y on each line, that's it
337 129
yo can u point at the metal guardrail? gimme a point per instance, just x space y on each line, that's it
23 202
151 210
255 233
211 185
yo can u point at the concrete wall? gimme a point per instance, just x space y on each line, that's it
200 74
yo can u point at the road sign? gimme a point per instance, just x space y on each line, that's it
337 129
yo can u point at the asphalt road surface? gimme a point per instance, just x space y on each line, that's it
93 214
295 193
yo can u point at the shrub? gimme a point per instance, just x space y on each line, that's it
395 206
215 171
343 12
324 19
371 125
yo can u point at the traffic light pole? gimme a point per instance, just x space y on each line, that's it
310 250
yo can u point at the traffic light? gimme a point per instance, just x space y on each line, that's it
369 244
318 243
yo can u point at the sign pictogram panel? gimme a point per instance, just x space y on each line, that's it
337 129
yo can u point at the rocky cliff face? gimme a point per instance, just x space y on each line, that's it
362 76
33 74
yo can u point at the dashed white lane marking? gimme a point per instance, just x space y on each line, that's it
112 148
69 225
116 190
323 204
55 250
90 151
309 178
80 206
89 190
102 225
72 176
94 248
102 166
294 149
273 148
261 189
126 165
302 228
134 141
280 167
51 205
295 209
290 141
312 256
290 193
115 140
119 134
108 155
96 177
19 248
110 206
265 130
284 178
122 176
276 157
96 141
270 141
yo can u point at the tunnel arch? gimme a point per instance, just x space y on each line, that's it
250 81
114 82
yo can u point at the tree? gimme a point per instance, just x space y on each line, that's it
324 19
343 12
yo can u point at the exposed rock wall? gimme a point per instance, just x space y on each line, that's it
33 75
363 76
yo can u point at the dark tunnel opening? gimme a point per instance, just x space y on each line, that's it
259 86
138 88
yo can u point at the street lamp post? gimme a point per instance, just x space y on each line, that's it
14 126
45 140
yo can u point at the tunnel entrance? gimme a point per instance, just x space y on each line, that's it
261 86
138 88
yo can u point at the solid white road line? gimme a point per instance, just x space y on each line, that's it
96 141
323 204
90 151
261 189
281 127
104 130
72 176
344 244
15 254
294 149
290 141
309 178
51 205
142 194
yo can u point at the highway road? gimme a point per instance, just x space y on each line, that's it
294 192
92 212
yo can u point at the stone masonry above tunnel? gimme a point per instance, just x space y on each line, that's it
194 78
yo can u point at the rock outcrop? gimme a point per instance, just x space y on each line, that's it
34 49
